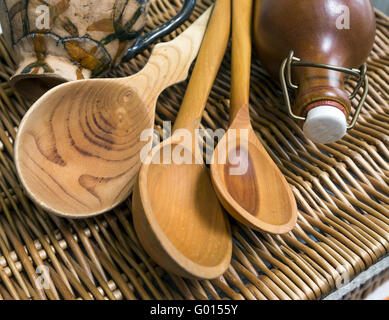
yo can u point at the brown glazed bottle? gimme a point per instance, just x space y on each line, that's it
333 32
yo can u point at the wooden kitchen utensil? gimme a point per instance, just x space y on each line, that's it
248 183
312 45
77 150
177 216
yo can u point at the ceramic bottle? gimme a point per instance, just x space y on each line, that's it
338 33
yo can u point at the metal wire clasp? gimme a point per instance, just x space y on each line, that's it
286 82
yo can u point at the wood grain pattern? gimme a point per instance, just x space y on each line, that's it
259 195
243 188
77 148
176 213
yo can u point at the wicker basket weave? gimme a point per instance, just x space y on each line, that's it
342 190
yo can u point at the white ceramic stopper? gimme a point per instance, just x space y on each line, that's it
325 124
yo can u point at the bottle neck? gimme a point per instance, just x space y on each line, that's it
318 87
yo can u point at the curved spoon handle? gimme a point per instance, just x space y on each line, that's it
207 65
241 55
169 62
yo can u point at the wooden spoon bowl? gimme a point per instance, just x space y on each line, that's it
81 140
181 218
249 184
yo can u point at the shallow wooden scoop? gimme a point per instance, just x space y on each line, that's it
176 213
78 147
247 182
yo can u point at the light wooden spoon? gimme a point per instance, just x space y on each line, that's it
248 183
77 150
176 213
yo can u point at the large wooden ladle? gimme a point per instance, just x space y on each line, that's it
176 213
248 183
77 151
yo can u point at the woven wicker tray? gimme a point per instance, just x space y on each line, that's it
342 190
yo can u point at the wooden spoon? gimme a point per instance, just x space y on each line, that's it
248 183
176 213
77 150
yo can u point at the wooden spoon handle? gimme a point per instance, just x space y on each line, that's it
170 61
207 65
241 55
